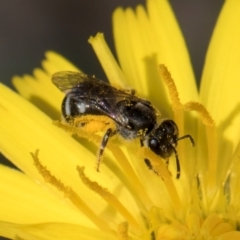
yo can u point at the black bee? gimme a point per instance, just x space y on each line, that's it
134 117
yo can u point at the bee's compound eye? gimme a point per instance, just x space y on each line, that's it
153 144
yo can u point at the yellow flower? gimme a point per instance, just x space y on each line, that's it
59 194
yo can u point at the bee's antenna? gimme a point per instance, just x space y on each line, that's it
190 138
176 154
177 163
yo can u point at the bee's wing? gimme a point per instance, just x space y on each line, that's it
66 80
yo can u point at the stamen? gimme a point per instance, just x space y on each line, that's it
123 231
107 196
48 177
70 194
175 102
202 111
169 82
211 133
138 190
134 184
161 170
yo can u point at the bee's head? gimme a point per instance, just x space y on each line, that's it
163 139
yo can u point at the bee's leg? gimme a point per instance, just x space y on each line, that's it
104 142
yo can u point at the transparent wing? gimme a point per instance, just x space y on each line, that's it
66 80
95 88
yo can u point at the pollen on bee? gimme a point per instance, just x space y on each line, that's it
93 123
87 126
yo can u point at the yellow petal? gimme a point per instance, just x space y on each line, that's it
24 201
145 41
129 48
107 60
55 62
24 129
221 77
39 88
40 91
172 48
52 231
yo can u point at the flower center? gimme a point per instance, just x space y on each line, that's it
212 228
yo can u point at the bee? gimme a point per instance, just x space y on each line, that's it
133 116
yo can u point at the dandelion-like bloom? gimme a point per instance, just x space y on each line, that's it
59 194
